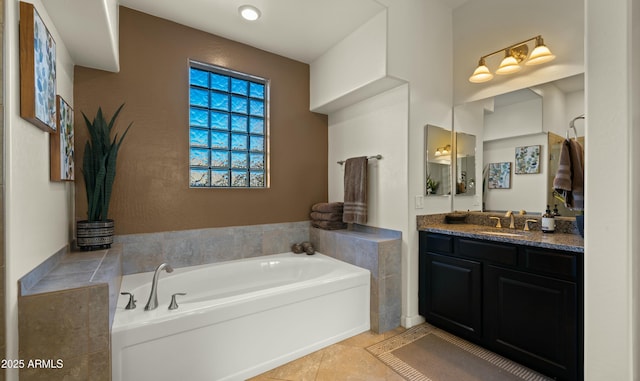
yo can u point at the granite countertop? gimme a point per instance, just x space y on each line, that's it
562 239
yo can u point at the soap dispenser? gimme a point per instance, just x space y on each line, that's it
548 222
556 213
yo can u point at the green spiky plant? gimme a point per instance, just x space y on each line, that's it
99 163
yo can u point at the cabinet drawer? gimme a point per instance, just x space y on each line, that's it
551 262
495 252
439 243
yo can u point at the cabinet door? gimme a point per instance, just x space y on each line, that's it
449 294
532 319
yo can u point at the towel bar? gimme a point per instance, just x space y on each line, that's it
377 157
572 126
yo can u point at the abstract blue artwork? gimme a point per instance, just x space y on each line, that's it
62 144
37 70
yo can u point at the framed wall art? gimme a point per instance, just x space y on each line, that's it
37 70
61 141
499 176
527 159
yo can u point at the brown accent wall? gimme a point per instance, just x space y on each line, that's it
151 191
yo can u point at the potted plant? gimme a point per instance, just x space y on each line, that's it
432 185
99 172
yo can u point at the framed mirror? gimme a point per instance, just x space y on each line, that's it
438 153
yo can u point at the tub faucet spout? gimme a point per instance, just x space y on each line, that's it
152 304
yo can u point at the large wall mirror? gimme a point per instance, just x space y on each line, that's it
518 139
438 154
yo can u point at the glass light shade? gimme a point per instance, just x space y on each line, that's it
540 55
249 12
481 74
508 65
438 153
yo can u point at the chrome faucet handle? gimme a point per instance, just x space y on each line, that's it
526 224
174 305
498 225
132 303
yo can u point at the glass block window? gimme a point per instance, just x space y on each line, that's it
227 128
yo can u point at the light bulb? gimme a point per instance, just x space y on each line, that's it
508 65
481 74
540 54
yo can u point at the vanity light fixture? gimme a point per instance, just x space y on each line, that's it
540 54
441 151
514 55
249 12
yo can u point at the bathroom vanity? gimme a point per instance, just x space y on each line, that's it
519 294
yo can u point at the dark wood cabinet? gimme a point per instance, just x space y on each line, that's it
520 301
532 319
451 294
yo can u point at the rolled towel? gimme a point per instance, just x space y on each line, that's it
328 207
329 225
319 216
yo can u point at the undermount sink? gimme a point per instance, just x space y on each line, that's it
502 234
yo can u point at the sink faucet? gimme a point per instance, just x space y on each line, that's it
152 304
512 224
498 225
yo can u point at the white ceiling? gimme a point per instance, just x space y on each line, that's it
298 29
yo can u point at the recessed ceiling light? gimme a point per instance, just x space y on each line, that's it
249 12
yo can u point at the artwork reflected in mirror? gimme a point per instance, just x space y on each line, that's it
499 176
465 164
438 161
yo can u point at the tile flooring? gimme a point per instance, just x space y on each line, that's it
347 360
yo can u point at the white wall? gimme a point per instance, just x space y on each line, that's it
419 52
374 126
612 200
352 70
575 105
481 27
38 213
554 108
516 119
527 190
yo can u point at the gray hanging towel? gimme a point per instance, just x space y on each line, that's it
569 180
355 190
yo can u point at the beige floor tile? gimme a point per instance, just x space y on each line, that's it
347 360
369 338
346 363
302 369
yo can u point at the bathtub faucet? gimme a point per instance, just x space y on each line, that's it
152 304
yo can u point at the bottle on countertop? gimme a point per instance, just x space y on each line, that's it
555 210
548 222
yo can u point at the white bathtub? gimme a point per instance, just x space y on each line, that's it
238 319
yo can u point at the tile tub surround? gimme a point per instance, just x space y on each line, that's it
65 309
144 252
66 270
70 325
377 250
